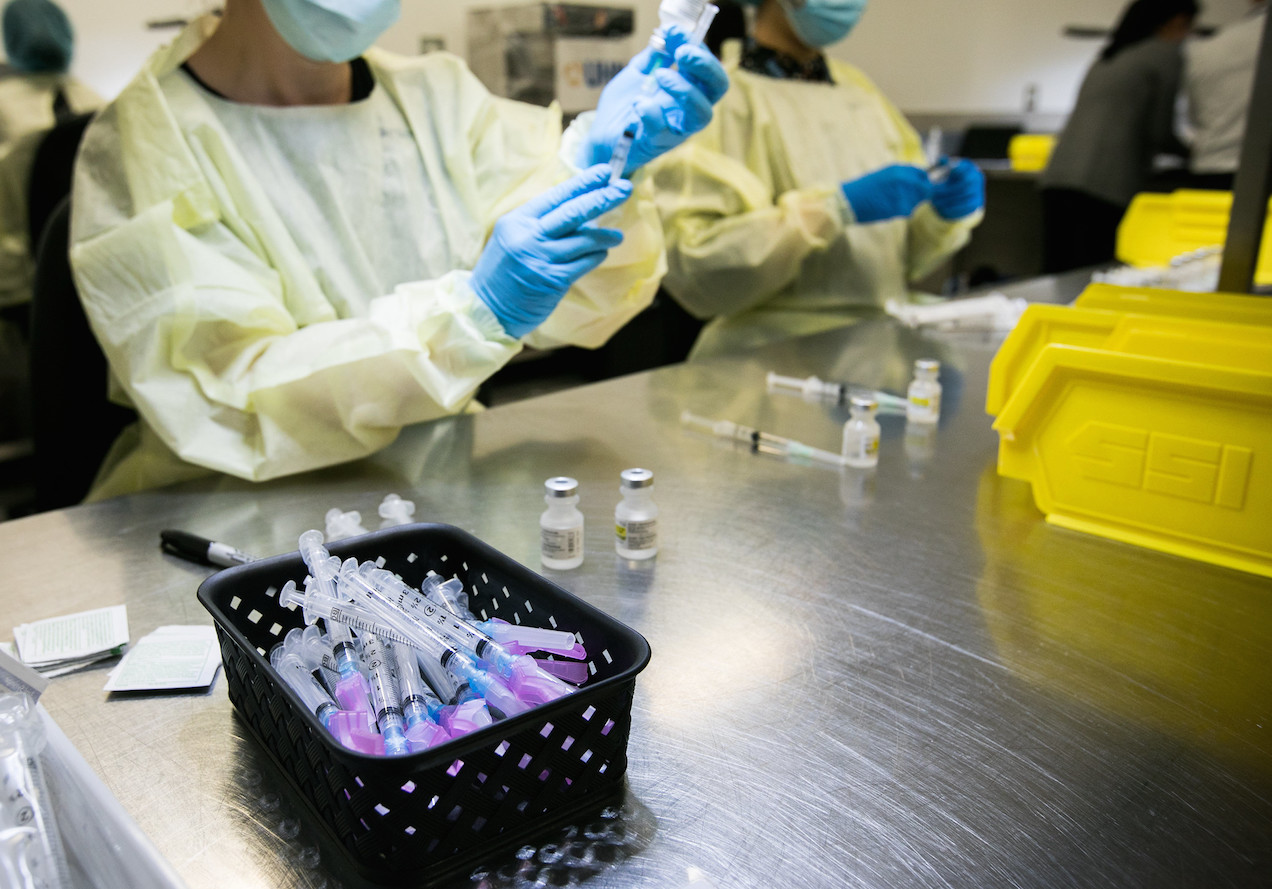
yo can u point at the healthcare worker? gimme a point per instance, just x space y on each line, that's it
1218 82
36 93
291 245
1123 118
805 204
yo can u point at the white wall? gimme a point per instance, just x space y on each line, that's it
980 55
927 55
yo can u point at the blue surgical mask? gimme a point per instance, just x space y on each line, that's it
823 22
331 30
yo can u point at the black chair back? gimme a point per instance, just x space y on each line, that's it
73 423
51 171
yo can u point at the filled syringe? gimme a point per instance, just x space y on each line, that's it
814 388
760 442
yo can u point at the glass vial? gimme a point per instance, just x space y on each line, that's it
923 398
861 433
561 525
636 516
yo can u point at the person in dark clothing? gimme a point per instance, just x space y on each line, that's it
1123 118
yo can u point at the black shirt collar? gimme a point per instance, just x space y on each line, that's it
363 80
771 63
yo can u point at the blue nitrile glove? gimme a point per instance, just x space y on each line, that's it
665 111
887 193
537 251
961 192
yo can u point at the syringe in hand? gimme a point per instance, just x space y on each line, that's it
812 388
938 165
760 442
694 17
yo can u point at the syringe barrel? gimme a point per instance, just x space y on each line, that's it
447 592
414 604
410 685
302 682
384 691
439 678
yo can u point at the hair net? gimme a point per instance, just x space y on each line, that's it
37 36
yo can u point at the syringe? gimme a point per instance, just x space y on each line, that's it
813 388
694 17
384 694
938 166
760 442
453 720
413 694
517 638
932 146
383 588
399 628
349 727
618 158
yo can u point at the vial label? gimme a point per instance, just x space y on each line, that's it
924 407
868 447
636 535
561 543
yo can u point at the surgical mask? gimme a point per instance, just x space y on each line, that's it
331 30
823 22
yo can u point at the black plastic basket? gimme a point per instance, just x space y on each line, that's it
426 817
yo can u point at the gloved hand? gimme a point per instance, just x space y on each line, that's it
666 111
537 251
887 193
961 192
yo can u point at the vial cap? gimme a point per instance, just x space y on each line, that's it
865 402
561 486
927 364
636 478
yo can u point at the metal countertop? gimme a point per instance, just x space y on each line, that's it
891 678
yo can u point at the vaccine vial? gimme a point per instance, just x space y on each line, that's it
923 398
861 433
636 516
561 525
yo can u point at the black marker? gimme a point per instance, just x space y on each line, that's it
202 551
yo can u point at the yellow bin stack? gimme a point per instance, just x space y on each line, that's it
1159 227
1145 416
1030 152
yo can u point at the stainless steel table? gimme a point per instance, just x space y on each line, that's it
893 678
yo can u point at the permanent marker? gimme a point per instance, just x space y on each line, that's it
202 551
